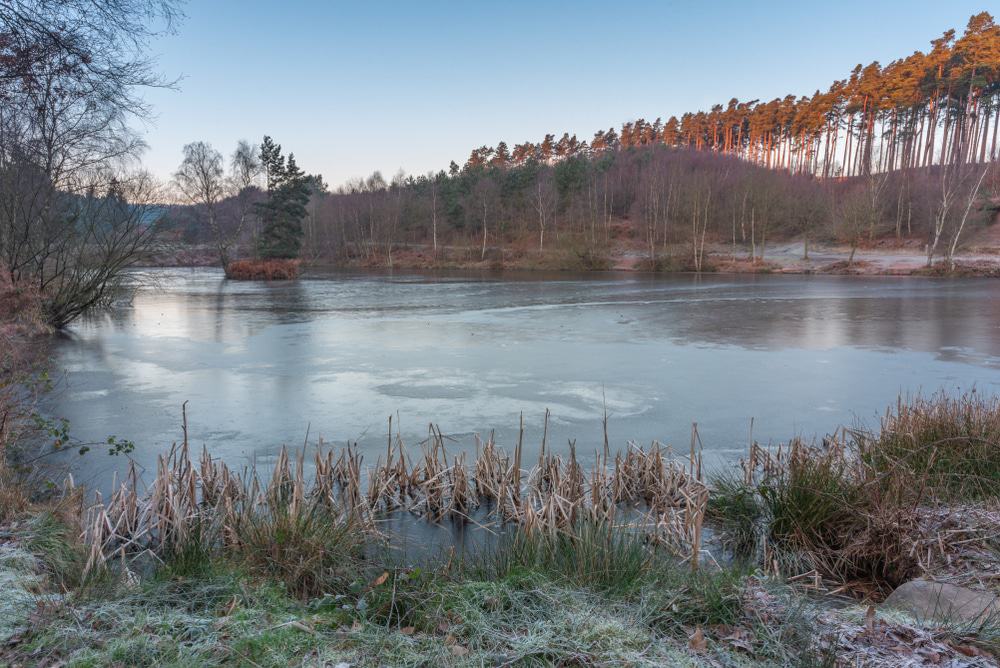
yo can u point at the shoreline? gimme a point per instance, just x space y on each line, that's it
785 258
287 573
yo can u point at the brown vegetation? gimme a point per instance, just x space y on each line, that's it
979 269
21 319
205 506
263 270
21 312
857 514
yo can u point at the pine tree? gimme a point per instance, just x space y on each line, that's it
272 162
288 189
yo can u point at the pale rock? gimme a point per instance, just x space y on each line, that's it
940 601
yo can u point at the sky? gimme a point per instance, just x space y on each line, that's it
354 87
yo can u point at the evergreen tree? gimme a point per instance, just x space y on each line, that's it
272 162
282 213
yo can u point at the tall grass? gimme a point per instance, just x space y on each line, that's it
948 446
203 504
310 551
812 503
13 494
56 543
736 510
851 510
595 555
573 579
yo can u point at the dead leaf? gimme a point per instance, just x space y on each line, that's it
379 580
407 630
969 650
443 627
738 640
459 650
697 642
870 619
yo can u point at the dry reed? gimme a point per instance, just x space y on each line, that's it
263 270
206 505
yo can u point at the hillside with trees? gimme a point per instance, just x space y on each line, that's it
899 155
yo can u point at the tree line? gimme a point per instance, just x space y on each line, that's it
932 108
906 151
675 204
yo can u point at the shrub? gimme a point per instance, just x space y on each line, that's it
57 547
13 496
583 255
812 503
21 312
850 510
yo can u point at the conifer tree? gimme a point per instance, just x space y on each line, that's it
283 211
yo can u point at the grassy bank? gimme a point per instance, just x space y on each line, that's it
528 601
598 566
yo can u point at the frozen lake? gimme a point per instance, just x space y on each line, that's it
338 353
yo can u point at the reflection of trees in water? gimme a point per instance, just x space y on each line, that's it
277 302
873 314
287 300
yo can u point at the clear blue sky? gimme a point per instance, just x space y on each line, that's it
351 87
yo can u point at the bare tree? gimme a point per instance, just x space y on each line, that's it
110 230
544 201
958 185
852 215
245 171
74 216
201 180
970 196
433 181
483 200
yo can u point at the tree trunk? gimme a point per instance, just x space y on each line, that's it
434 219
483 255
965 216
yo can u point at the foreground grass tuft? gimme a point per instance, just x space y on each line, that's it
945 446
311 552
853 510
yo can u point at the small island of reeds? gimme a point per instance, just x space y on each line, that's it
263 270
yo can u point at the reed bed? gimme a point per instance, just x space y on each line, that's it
200 503
860 510
263 270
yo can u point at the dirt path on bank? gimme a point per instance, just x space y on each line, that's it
789 257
